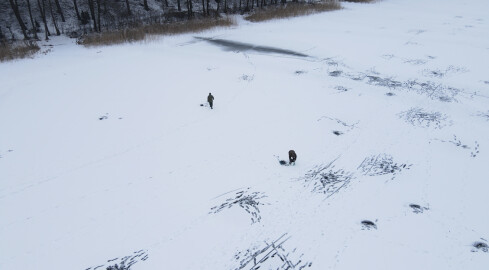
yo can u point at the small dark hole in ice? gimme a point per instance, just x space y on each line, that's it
337 133
445 99
481 245
335 73
369 224
390 94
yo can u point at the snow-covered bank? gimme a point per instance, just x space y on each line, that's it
106 151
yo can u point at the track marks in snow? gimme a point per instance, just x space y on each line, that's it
484 115
341 126
249 201
5 153
458 143
439 73
432 89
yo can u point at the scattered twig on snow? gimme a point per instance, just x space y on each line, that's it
421 118
382 164
124 263
271 256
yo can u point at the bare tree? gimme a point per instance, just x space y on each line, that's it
2 36
189 9
98 14
76 10
128 7
92 13
9 27
34 29
178 4
217 9
42 10
146 4
15 8
203 7
59 10
54 18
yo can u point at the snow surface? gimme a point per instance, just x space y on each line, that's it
107 156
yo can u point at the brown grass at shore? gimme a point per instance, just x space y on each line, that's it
360 1
140 33
292 10
17 50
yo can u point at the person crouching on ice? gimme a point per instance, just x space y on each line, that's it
292 157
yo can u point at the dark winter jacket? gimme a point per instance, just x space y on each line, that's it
210 98
292 156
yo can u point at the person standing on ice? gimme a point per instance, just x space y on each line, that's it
210 99
292 157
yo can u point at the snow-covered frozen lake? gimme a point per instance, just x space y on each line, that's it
106 155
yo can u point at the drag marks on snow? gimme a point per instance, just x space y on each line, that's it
6 152
326 179
484 115
432 90
249 201
415 62
124 263
438 73
421 118
411 61
247 78
382 164
271 255
341 89
458 143
341 126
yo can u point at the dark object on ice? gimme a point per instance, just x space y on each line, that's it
390 94
210 99
282 162
337 133
292 156
481 246
369 224
335 73
202 105
416 207
103 117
